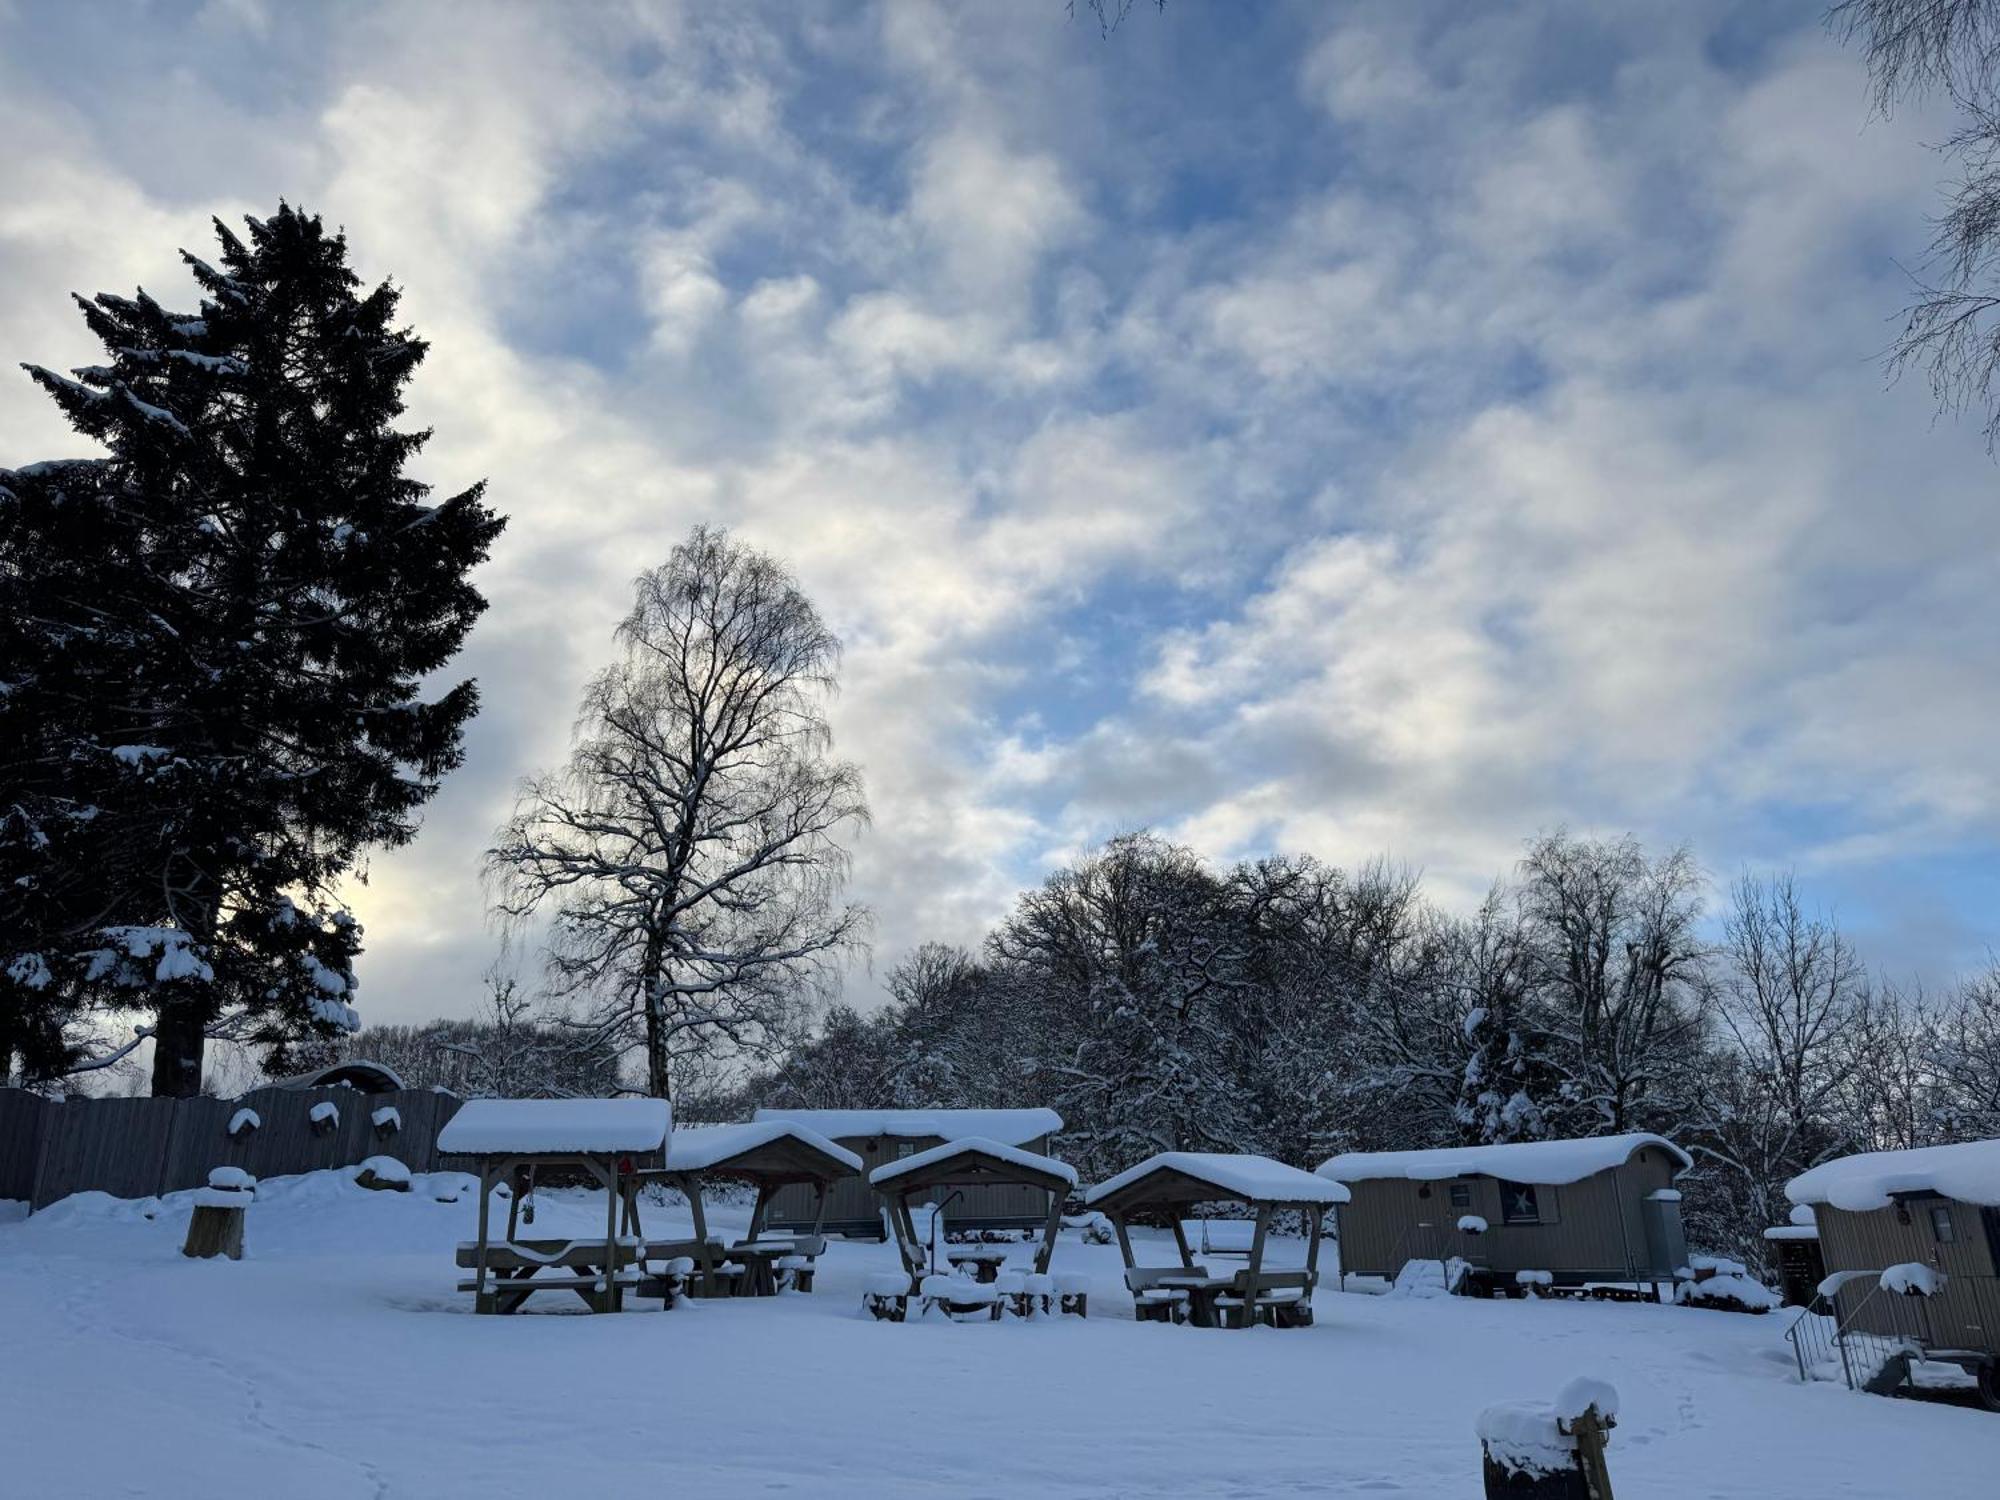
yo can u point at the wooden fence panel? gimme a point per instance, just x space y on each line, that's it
139 1148
200 1143
113 1146
22 1117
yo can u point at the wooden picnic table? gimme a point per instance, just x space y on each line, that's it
1202 1290
985 1260
760 1265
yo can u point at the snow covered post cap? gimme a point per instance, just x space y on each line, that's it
1541 1450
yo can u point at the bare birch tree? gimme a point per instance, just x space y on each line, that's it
690 857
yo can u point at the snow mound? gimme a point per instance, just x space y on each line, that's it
1429 1278
1913 1279
1534 1278
326 1112
230 1178
1584 1392
1524 1437
385 1170
242 1120
1471 1224
1730 1293
388 1117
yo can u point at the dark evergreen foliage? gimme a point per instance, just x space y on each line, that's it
218 648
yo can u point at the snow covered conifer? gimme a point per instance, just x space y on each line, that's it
278 591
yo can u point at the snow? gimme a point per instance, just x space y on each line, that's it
230 1177
1913 1279
1471 1224
1582 1393
529 1126
211 1197
325 1112
1534 1278
1731 1289
1523 1438
1012 1155
244 1119
385 1169
692 1148
388 1117
1969 1172
1013 1127
1431 1277
1802 1214
1792 1232
205 1372
1251 1178
1545 1163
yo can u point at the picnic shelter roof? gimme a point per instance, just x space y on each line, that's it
1204 1176
774 1150
973 1161
556 1127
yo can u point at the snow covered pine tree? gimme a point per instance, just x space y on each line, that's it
266 590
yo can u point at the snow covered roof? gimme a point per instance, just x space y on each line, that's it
1012 1127
1969 1172
692 1148
1252 1178
1012 1155
1546 1163
369 1077
531 1127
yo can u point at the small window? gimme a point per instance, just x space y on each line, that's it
1520 1203
1461 1195
1941 1225
905 1148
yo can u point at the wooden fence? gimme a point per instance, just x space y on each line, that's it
140 1148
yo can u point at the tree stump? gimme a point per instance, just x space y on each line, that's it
216 1228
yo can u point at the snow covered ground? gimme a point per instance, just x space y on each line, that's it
337 1361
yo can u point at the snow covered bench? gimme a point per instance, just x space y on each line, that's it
961 1298
885 1296
1073 1292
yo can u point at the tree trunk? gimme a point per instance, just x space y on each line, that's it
178 1042
656 1043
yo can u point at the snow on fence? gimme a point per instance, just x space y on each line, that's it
140 1148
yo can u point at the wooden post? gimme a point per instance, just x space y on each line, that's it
1256 1267
610 1181
691 1190
819 1206
1315 1216
1589 1432
1180 1236
1124 1240
1048 1247
479 1278
764 1191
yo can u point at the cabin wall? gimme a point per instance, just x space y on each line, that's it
1966 1312
853 1207
1590 1230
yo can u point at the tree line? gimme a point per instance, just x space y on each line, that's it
1287 1007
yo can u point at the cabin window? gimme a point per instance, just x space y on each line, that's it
1520 1203
1941 1225
1461 1195
905 1148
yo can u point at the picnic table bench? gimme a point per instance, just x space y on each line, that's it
983 1261
516 1269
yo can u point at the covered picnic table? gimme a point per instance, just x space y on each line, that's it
973 1161
513 1139
1165 1185
771 1154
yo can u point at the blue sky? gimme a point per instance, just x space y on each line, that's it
1360 430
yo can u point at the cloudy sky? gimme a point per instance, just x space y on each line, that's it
1352 429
